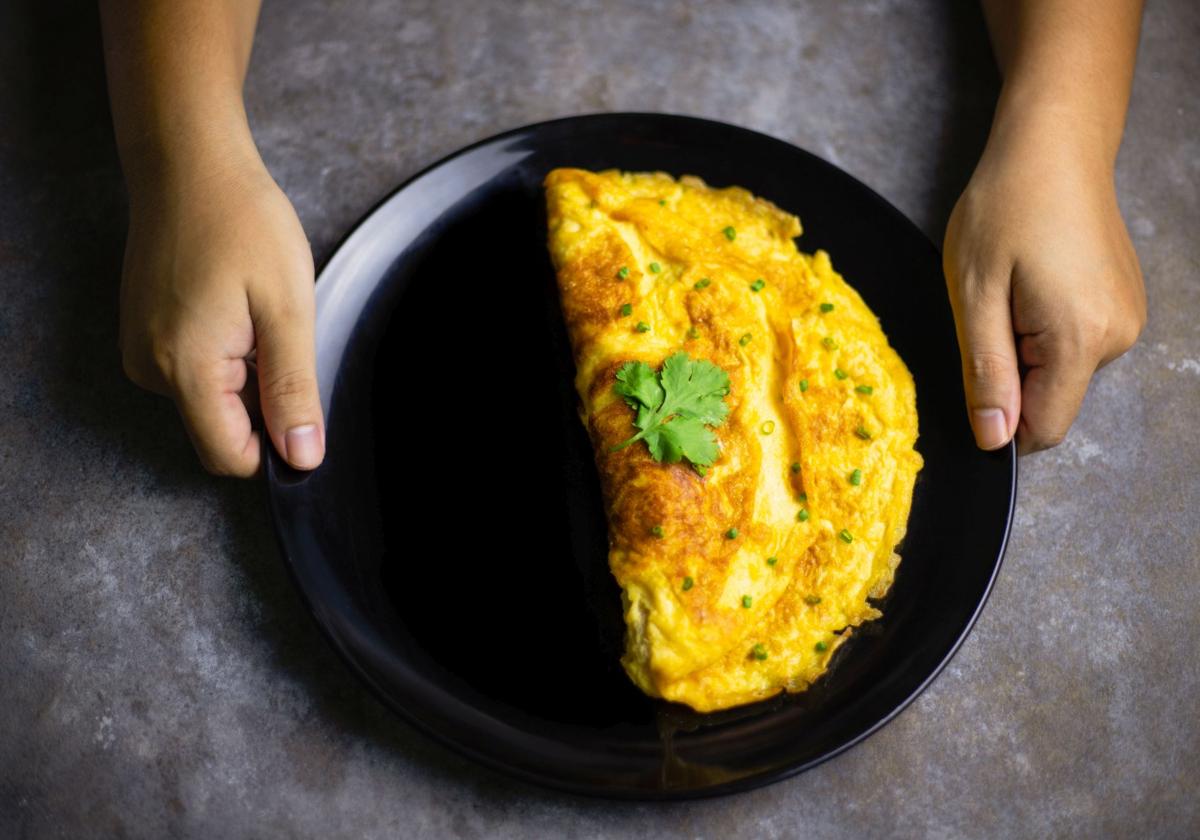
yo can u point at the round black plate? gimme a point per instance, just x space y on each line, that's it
453 543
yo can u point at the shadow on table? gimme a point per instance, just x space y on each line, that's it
58 149
972 88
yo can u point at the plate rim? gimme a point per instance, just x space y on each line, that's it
274 465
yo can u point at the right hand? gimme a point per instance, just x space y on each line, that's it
217 266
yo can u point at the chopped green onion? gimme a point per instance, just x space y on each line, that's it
862 432
693 332
839 373
768 427
795 466
730 233
812 600
802 515
803 385
702 283
731 534
760 652
829 343
642 326
655 267
623 273
771 561
626 309
856 477
864 389
657 531
826 307
744 340
746 601
757 284
687 583
803 497
820 647
662 202
846 536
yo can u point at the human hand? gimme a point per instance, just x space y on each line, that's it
1043 280
217 266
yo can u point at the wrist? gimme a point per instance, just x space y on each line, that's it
186 147
1049 121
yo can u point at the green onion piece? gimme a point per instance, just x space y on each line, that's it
642 326
803 497
820 647
623 273
731 534
803 385
862 432
795 466
757 284
829 343
846 536
856 477
802 515
693 332
744 340
626 309
771 561
839 373
687 583
730 233
760 652
655 267
812 600
746 601
662 202
826 307
768 427
864 389
657 531
702 283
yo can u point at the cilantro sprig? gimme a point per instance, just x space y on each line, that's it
675 407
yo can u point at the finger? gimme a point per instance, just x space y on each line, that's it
1052 394
249 395
285 355
983 319
216 418
144 373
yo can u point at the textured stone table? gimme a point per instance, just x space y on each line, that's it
158 674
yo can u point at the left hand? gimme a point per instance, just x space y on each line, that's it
1043 280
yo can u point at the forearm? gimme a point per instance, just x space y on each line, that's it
175 73
1068 69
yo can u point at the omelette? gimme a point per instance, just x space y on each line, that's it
753 431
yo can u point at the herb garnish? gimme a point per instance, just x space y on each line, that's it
675 406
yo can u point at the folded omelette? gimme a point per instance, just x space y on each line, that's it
748 538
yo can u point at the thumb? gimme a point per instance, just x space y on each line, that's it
285 354
983 318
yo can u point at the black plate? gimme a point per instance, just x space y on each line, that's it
453 544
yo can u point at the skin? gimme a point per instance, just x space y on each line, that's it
217 285
1042 275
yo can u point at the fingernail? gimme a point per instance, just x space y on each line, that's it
991 429
304 447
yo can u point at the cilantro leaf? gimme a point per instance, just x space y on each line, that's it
675 407
638 384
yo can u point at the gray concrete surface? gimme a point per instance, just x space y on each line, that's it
158 675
